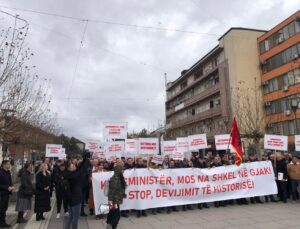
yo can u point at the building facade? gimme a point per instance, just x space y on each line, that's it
205 97
279 55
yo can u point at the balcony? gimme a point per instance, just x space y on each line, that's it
216 111
201 96
212 71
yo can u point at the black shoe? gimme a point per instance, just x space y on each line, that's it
199 206
138 214
83 214
4 225
168 211
144 214
22 220
38 218
91 212
124 215
42 217
205 205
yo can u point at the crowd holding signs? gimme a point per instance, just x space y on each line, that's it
151 188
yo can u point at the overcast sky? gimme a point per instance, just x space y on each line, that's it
120 72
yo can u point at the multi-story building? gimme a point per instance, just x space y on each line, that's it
280 65
203 99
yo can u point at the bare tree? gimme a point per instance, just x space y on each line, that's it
249 111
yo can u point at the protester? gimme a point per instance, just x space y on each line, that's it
6 189
25 193
61 199
256 199
281 175
116 194
140 164
293 169
42 195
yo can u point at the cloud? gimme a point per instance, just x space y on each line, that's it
120 72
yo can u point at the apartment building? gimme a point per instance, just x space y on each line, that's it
201 99
280 65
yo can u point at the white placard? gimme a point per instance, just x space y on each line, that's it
92 145
198 141
157 159
168 147
276 142
178 156
99 153
115 130
297 142
148 146
62 154
53 150
182 144
131 147
189 185
222 142
114 149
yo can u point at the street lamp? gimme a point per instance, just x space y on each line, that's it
294 104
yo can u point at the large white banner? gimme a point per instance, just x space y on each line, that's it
182 144
198 141
148 146
297 142
92 145
168 147
131 147
276 142
152 188
53 150
116 130
114 149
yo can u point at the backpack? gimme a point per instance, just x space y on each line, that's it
106 187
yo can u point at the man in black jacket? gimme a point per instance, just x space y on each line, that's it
6 189
282 177
140 165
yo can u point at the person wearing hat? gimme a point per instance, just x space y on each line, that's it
293 169
116 194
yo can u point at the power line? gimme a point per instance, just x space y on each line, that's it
111 22
78 57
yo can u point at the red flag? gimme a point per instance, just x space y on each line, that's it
236 143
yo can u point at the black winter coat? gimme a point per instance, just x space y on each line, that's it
26 189
5 182
75 182
42 197
281 167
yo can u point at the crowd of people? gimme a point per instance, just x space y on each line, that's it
71 181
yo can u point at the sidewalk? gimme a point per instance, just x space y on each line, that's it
259 216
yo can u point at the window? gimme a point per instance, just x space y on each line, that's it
294 52
291 127
211 104
297 75
285 32
285 128
193 111
297 26
275 85
183 85
289 55
291 29
291 78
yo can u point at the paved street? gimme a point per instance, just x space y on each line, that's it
270 215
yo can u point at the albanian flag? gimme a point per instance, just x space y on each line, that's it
236 143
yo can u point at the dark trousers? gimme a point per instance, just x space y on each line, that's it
83 201
3 207
74 213
113 217
59 200
282 190
294 184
